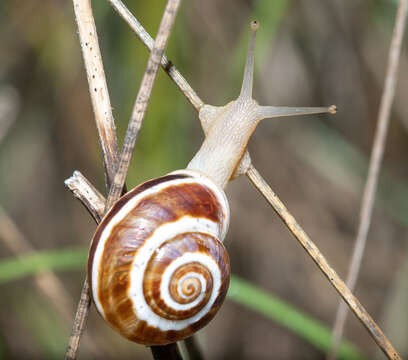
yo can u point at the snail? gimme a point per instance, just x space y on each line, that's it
157 267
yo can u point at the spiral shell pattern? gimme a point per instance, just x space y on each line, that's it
157 267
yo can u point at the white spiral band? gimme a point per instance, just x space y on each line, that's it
161 235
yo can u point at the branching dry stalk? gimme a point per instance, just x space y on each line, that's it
83 190
322 263
376 158
105 123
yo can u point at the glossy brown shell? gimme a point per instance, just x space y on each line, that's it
157 268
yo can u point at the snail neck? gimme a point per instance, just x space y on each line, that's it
228 129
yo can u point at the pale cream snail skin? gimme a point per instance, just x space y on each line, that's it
157 267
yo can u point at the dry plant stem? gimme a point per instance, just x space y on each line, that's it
142 100
83 190
81 316
97 86
370 188
322 263
86 193
166 64
106 131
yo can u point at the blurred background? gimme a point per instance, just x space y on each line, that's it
308 53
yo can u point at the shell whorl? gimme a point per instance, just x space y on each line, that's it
157 267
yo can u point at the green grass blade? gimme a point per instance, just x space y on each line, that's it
240 291
303 325
16 268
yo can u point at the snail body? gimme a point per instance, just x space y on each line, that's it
157 267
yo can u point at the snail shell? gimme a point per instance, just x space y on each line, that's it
158 270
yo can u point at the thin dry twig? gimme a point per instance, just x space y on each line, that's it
322 263
94 202
142 100
98 89
107 136
370 188
78 327
87 194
